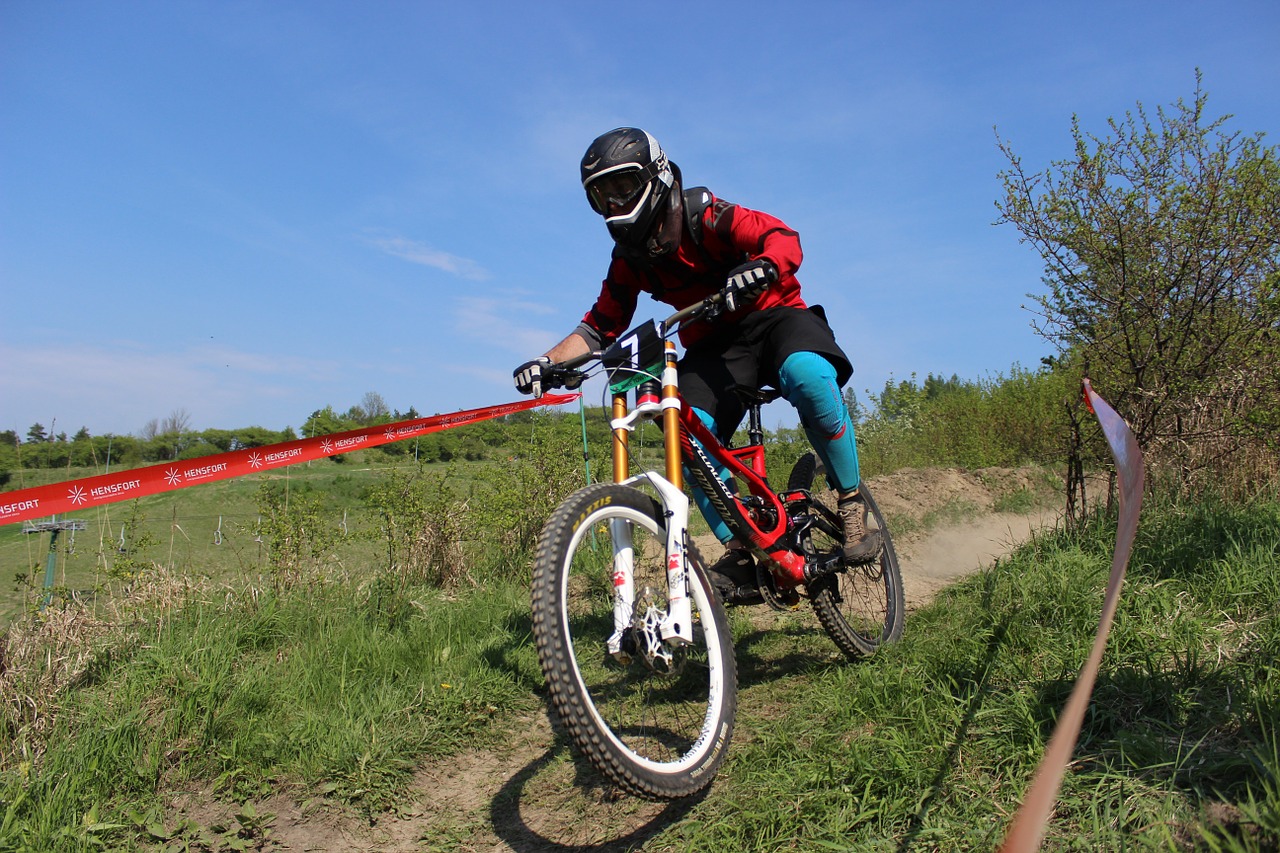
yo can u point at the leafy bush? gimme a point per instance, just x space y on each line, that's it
1000 421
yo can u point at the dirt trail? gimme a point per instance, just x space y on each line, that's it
947 554
529 795
946 524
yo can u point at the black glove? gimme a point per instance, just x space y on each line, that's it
745 282
528 376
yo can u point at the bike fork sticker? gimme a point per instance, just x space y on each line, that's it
675 577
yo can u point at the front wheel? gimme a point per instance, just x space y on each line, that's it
860 607
654 716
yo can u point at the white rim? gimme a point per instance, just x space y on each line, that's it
715 662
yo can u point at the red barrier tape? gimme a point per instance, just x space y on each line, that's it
74 495
1029 825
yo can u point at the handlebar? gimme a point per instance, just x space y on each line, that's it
565 374
703 308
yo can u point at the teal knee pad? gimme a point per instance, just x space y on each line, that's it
808 382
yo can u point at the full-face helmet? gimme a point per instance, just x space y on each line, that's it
628 180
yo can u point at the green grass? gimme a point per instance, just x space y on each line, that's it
930 745
341 683
214 530
178 529
341 686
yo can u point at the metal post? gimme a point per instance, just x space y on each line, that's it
54 527
49 566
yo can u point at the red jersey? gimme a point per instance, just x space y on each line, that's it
718 236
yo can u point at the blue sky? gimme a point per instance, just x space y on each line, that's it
251 210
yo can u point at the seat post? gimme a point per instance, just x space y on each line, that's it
755 432
754 399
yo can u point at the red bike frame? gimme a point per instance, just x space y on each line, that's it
746 465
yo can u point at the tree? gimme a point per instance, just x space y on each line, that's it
178 422
167 438
323 422
8 455
375 408
37 434
1161 246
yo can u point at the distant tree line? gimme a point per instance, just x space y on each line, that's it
172 438
84 450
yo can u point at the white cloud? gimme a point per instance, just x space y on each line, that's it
420 253
508 323
119 386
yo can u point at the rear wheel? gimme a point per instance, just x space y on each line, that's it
656 717
860 607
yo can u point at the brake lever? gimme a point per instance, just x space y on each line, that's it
711 311
706 309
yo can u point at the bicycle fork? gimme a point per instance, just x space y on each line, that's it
676 626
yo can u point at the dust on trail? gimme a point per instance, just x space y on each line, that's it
529 795
949 553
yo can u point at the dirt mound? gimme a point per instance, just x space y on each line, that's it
949 523
922 494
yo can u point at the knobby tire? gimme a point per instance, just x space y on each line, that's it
660 725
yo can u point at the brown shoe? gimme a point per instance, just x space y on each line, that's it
860 545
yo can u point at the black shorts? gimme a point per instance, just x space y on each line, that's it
750 353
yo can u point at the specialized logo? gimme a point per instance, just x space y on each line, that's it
717 491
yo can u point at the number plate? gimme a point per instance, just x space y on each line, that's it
634 358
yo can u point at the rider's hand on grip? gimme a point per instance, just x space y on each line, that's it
746 282
529 376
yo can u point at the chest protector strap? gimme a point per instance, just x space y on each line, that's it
696 202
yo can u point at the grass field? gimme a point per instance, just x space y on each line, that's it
211 531
332 689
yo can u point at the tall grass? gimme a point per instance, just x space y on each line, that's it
339 686
998 421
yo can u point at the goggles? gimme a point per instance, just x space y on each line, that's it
619 192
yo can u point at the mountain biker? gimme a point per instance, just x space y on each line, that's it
680 246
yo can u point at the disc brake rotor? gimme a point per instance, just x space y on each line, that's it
646 627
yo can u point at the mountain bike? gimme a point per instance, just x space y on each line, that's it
632 637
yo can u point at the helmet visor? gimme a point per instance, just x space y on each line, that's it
619 192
